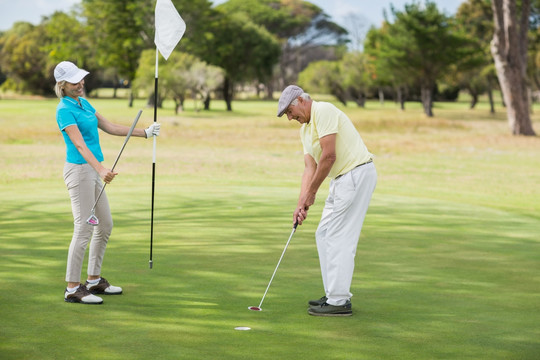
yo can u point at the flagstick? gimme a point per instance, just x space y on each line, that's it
170 28
154 162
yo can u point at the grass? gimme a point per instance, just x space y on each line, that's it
447 264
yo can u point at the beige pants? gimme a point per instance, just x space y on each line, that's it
84 185
339 229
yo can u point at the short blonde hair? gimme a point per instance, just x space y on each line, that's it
59 89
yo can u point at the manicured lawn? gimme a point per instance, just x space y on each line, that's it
447 264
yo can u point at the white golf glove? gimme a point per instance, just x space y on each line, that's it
152 130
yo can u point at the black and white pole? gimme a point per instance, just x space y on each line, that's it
154 163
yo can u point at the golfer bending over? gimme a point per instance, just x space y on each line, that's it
79 122
332 148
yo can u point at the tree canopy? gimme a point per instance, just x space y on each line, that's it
422 44
417 53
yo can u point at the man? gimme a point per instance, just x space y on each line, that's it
332 148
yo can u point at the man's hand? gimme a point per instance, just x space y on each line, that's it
300 214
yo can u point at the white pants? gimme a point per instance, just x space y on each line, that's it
339 229
84 185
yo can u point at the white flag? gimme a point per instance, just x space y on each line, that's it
170 27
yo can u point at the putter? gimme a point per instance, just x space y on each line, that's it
259 308
92 219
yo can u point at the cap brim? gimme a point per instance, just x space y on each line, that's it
74 79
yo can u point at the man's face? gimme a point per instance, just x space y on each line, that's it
298 110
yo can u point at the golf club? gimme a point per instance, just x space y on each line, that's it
92 219
258 308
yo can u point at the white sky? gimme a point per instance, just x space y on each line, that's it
372 10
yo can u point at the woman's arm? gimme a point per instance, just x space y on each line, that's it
116 129
76 138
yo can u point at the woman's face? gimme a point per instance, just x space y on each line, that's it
74 90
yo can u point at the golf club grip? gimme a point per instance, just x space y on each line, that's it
127 137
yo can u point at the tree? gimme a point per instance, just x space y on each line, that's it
244 50
324 77
305 34
181 74
425 43
533 67
120 34
67 39
509 49
357 27
476 17
382 71
23 59
356 76
204 79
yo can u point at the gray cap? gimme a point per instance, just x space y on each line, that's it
290 93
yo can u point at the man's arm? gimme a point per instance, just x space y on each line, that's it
314 175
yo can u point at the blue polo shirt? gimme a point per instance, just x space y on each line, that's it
68 113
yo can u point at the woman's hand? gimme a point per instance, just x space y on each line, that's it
107 175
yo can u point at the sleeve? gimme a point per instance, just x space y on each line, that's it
65 118
303 139
327 120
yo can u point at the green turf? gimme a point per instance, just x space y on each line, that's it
447 264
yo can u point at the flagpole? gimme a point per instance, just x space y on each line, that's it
170 28
154 161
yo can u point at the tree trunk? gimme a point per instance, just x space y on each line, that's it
381 96
474 99
207 102
530 99
227 93
115 88
400 98
490 96
509 50
339 93
427 100
269 90
361 101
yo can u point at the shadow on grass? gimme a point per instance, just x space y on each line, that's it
433 280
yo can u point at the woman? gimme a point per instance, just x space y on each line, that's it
83 174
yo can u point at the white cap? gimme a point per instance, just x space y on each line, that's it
68 71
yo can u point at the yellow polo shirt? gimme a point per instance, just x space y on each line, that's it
327 119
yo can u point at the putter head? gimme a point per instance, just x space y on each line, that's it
254 308
92 220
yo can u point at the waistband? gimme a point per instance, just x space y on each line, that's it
357 166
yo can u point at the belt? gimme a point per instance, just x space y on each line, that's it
367 162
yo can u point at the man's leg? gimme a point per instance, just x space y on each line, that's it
321 238
352 196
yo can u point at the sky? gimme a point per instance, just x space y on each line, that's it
371 10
